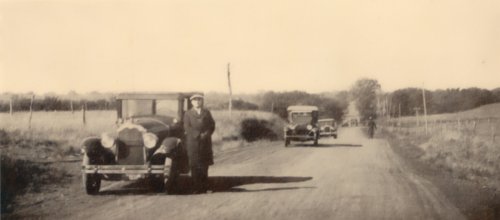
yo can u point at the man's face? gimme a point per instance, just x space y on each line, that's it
197 102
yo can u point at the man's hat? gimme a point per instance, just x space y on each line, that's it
199 96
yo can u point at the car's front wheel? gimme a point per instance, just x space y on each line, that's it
91 181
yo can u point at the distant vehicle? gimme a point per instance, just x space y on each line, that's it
328 127
149 143
302 124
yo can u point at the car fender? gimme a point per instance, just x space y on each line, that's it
97 153
168 146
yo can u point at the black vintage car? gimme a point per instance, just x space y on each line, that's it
328 127
148 143
302 124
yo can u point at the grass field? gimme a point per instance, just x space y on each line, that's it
465 144
460 153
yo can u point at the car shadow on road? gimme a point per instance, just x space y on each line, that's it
230 183
216 184
328 145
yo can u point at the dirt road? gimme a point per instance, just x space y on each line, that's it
348 178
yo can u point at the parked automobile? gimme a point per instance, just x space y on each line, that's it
328 127
148 143
302 124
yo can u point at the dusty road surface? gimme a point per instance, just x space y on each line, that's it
348 178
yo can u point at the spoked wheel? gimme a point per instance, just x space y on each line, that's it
287 142
91 181
171 175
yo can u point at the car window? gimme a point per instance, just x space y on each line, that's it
134 108
301 117
323 123
167 107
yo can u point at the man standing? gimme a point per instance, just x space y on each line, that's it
371 127
199 126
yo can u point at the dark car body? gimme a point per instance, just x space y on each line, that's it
148 142
302 124
328 127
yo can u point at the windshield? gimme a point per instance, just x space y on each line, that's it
301 117
167 107
323 123
138 108
134 108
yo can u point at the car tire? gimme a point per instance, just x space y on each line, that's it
156 182
91 182
315 143
171 175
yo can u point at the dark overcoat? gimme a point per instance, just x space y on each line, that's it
199 129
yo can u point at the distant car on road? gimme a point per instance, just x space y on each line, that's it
328 127
302 124
149 143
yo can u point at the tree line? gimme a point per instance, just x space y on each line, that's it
54 103
438 101
330 105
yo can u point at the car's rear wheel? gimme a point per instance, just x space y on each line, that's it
91 181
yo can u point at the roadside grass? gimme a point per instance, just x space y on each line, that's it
30 156
463 163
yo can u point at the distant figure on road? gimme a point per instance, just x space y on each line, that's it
199 126
371 127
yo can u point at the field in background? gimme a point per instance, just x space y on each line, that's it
464 147
466 143
67 130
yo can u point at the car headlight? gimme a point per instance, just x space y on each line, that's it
149 139
309 127
107 141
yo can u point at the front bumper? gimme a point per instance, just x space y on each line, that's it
125 169
327 133
301 137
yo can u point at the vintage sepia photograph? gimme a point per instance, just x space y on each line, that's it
231 109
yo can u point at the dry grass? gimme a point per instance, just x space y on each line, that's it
67 129
464 153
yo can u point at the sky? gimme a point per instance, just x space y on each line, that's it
281 45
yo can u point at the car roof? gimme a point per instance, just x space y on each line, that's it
160 95
302 108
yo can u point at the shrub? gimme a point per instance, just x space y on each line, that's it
253 129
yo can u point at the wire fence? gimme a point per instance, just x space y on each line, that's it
487 128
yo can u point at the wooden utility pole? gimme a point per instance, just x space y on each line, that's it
230 89
31 110
425 110
71 106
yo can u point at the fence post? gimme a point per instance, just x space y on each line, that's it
492 129
31 111
84 108
10 106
